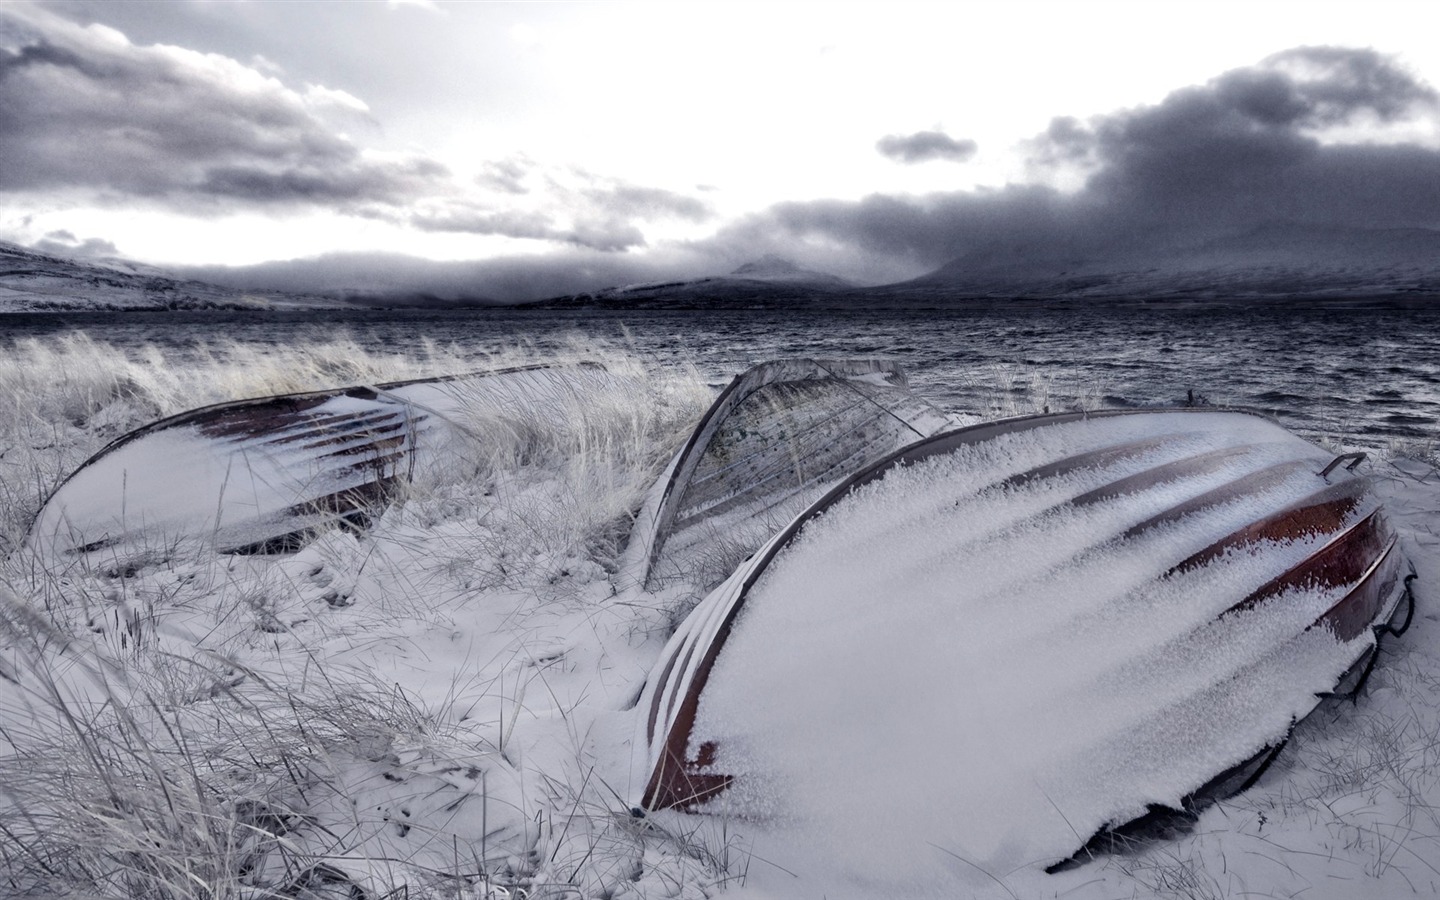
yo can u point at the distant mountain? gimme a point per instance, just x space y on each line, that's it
1277 262
1282 262
774 269
769 281
39 282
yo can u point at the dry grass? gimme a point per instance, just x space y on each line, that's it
151 776
140 761
63 399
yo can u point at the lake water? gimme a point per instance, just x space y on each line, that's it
1361 376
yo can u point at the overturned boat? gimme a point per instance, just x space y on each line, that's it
775 439
259 475
1054 626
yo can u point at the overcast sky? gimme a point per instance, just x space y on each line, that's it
534 148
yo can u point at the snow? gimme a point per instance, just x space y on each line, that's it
209 480
31 281
1345 812
448 702
780 435
1036 717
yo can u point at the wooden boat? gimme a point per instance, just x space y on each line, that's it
773 441
1137 605
259 475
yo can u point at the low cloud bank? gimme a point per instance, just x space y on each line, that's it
507 280
1313 136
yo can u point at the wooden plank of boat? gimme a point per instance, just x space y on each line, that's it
1173 590
259 475
773 441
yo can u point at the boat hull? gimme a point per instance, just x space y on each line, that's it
260 475
1137 605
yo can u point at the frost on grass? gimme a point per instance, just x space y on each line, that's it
413 708
263 474
440 708
65 398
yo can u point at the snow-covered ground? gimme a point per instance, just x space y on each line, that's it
31 281
442 706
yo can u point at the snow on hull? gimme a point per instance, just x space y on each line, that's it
774 440
258 475
1057 623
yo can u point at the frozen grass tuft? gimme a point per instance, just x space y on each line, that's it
215 727
562 477
152 776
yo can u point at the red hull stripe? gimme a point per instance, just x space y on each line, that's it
1324 512
1342 561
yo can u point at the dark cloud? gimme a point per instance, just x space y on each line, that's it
1066 142
319 186
884 238
65 243
507 175
609 234
923 146
598 213
84 110
631 201
1265 144
1326 85
1248 147
517 224
39 54
89 116
605 234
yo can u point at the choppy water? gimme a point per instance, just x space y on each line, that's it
1361 376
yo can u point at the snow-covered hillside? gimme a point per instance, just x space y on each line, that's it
37 282
1276 262
770 281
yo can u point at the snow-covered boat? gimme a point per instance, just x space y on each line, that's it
1062 623
258 475
773 441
